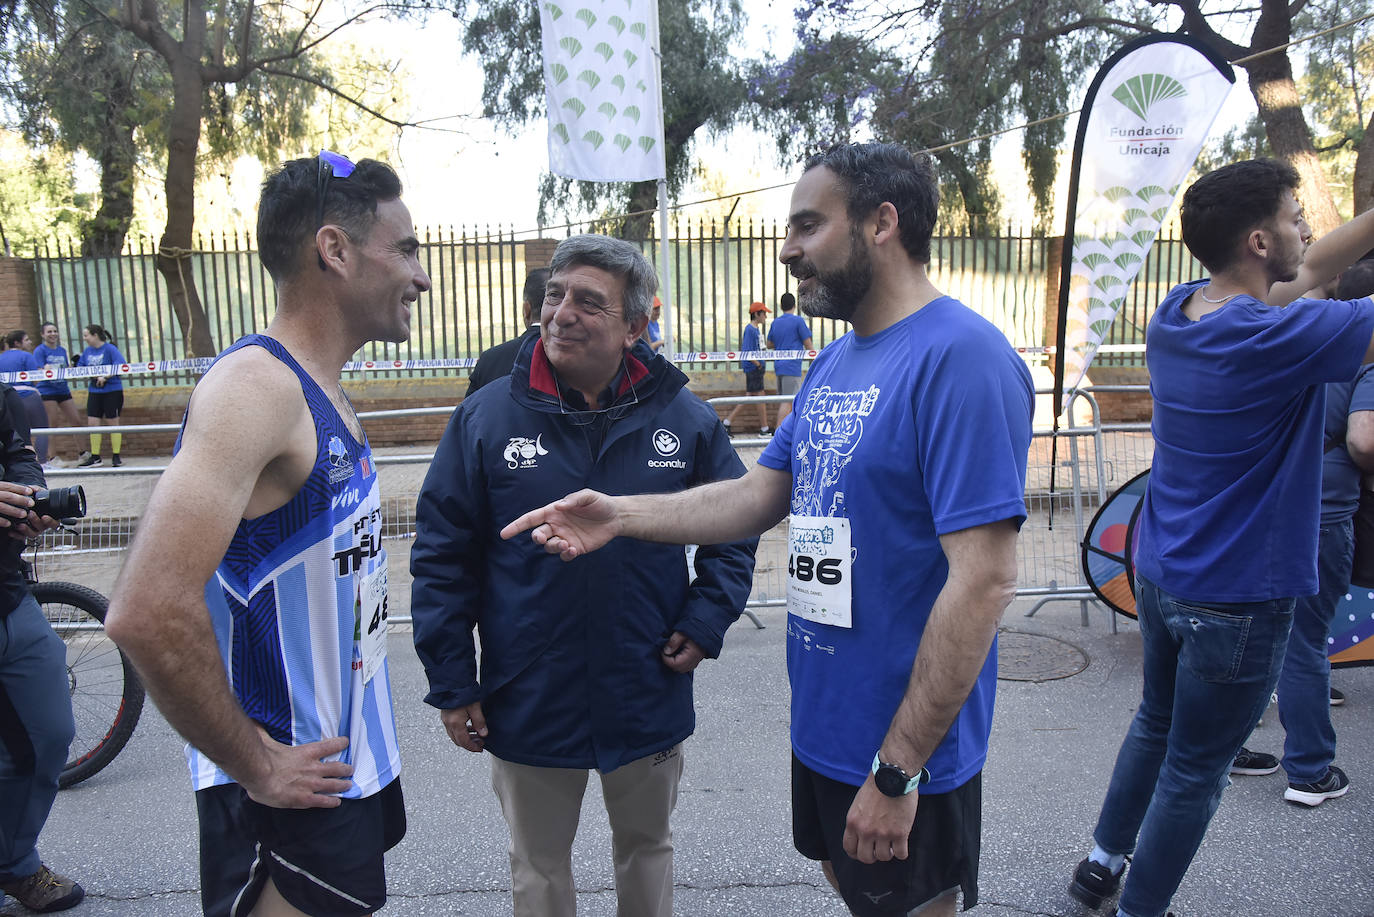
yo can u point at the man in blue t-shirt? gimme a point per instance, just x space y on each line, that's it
901 475
1228 526
788 332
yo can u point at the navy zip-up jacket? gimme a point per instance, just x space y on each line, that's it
571 674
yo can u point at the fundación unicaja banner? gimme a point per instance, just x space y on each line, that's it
1143 123
601 79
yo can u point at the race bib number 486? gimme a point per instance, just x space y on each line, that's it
819 569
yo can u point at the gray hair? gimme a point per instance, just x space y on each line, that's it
615 256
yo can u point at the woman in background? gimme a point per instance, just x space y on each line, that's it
105 397
16 358
57 396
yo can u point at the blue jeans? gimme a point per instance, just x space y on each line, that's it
36 727
1209 671
1305 681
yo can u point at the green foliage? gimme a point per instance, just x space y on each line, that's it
38 202
703 89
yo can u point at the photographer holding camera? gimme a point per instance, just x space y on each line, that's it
36 725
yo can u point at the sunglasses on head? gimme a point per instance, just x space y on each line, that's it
331 166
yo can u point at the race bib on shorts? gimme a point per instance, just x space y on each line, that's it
819 569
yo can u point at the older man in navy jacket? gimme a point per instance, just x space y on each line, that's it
582 666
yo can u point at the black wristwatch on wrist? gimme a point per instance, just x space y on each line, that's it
892 781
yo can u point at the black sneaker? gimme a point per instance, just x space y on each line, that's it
1337 697
88 461
114 460
45 891
1333 785
1253 763
1094 883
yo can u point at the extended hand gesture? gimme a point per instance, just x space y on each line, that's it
297 777
570 527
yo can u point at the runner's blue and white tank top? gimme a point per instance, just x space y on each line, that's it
286 606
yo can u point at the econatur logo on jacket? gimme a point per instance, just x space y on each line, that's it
341 466
523 452
666 444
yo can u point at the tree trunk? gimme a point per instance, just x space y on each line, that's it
644 196
174 251
1364 170
1271 83
104 235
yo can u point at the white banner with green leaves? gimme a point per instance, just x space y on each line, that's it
601 82
1146 116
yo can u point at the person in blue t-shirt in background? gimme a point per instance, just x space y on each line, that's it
57 395
1228 527
105 395
902 550
751 341
788 332
18 358
653 332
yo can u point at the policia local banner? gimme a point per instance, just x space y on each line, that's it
1145 118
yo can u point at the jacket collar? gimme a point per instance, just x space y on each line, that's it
642 374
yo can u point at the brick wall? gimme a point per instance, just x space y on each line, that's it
539 252
18 296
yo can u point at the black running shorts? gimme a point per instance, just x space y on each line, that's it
942 849
325 862
105 404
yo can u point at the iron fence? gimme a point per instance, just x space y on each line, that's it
716 271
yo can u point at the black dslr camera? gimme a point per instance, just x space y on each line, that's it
60 502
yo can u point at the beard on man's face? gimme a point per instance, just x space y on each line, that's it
836 293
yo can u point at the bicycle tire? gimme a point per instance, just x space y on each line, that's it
107 696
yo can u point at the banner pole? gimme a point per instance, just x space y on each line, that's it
665 275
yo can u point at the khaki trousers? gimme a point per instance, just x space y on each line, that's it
541 806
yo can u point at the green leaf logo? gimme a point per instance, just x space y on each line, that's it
605 50
1093 259
587 16
589 77
639 84
1143 238
630 57
1150 191
1127 260
1106 282
571 45
560 131
560 74
623 142
1116 193
616 23
1158 215
594 138
647 143
639 29
1135 213
607 109
1099 328
575 106
631 112
618 82
1140 93
555 12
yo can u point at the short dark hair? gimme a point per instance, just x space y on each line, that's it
1357 281
788 302
615 256
1222 207
874 173
535 282
15 338
289 203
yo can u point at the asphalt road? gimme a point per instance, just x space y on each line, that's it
128 834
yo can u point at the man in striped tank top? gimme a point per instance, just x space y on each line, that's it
259 558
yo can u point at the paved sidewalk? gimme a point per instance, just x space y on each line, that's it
128 834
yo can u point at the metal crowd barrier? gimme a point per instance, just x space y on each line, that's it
1092 461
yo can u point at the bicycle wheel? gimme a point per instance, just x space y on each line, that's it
107 696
